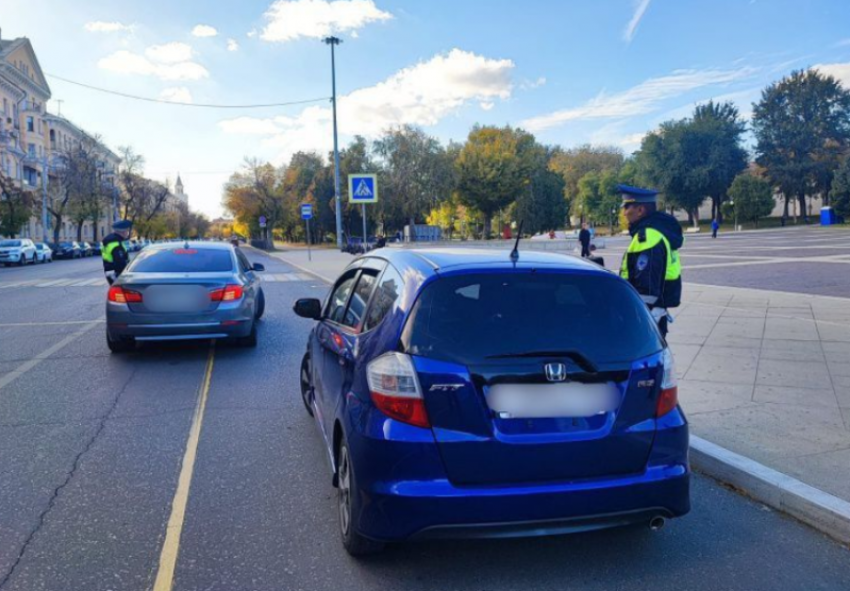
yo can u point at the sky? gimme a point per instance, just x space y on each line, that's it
571 72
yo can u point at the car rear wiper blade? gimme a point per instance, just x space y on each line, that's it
579 359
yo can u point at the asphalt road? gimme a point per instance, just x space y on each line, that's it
91 448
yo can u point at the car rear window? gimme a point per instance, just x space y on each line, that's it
182 260
478 318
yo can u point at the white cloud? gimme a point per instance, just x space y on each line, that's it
532 84
487 106
232 45
177 94
644 98
204 31
418 95
170 53
631 28
107 27
127 62
292 19
252 33
839 71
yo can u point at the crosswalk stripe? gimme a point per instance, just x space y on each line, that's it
49 283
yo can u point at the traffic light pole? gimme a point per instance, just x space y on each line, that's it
332 41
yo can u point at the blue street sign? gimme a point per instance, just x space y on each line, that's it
306 211
362 188
263 221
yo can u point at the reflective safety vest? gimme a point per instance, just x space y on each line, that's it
653 268
106 251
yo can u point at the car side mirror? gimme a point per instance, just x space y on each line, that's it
258 267
308 308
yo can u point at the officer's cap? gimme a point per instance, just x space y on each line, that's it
122 225
637 195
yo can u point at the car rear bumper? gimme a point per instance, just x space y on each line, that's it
427 510
232 323
404 493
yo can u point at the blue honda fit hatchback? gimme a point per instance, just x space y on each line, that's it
460 393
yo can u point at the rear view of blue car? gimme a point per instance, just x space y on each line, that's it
463 394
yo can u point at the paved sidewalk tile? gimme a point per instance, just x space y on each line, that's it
796 396
801 374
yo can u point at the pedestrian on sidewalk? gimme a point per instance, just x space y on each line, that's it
715 226
584 240
651 263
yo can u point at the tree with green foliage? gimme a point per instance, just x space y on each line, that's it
751 198
719 129
841 189
801 125
416 174
16 205
669 158
493 169
573 164
541 207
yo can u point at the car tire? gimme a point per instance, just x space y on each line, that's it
348 503
122 345
261 305
306 384
23 260
250 341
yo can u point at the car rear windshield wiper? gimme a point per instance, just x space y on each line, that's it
579 359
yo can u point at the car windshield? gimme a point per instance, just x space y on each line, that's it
183 260
10 243
591 317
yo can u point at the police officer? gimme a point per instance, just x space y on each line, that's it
651 263
114 251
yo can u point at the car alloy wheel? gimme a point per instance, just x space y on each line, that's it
306 385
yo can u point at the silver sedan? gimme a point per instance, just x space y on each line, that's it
181 291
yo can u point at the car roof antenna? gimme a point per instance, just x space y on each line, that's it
515 251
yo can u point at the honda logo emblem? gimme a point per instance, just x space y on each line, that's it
556 372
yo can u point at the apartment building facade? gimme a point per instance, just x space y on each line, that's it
33 141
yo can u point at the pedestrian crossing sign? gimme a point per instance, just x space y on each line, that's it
362 188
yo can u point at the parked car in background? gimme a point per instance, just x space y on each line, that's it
17 251
85 249
95 248
193 290
43 253
66 250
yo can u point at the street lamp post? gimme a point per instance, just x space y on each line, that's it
333 41
735 211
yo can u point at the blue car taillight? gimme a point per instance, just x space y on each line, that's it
669 396
395 390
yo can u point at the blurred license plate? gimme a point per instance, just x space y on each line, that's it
174 299
570 400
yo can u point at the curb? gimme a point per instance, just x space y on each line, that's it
821 510
814 507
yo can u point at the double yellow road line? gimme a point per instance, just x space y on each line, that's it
171 546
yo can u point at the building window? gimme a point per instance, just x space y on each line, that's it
31 150
30 124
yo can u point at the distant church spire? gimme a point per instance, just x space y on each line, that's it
178 186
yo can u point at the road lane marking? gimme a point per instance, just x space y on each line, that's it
41 356
171 546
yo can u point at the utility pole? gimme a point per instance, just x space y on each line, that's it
332 41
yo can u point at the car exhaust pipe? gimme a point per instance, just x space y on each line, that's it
656 523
